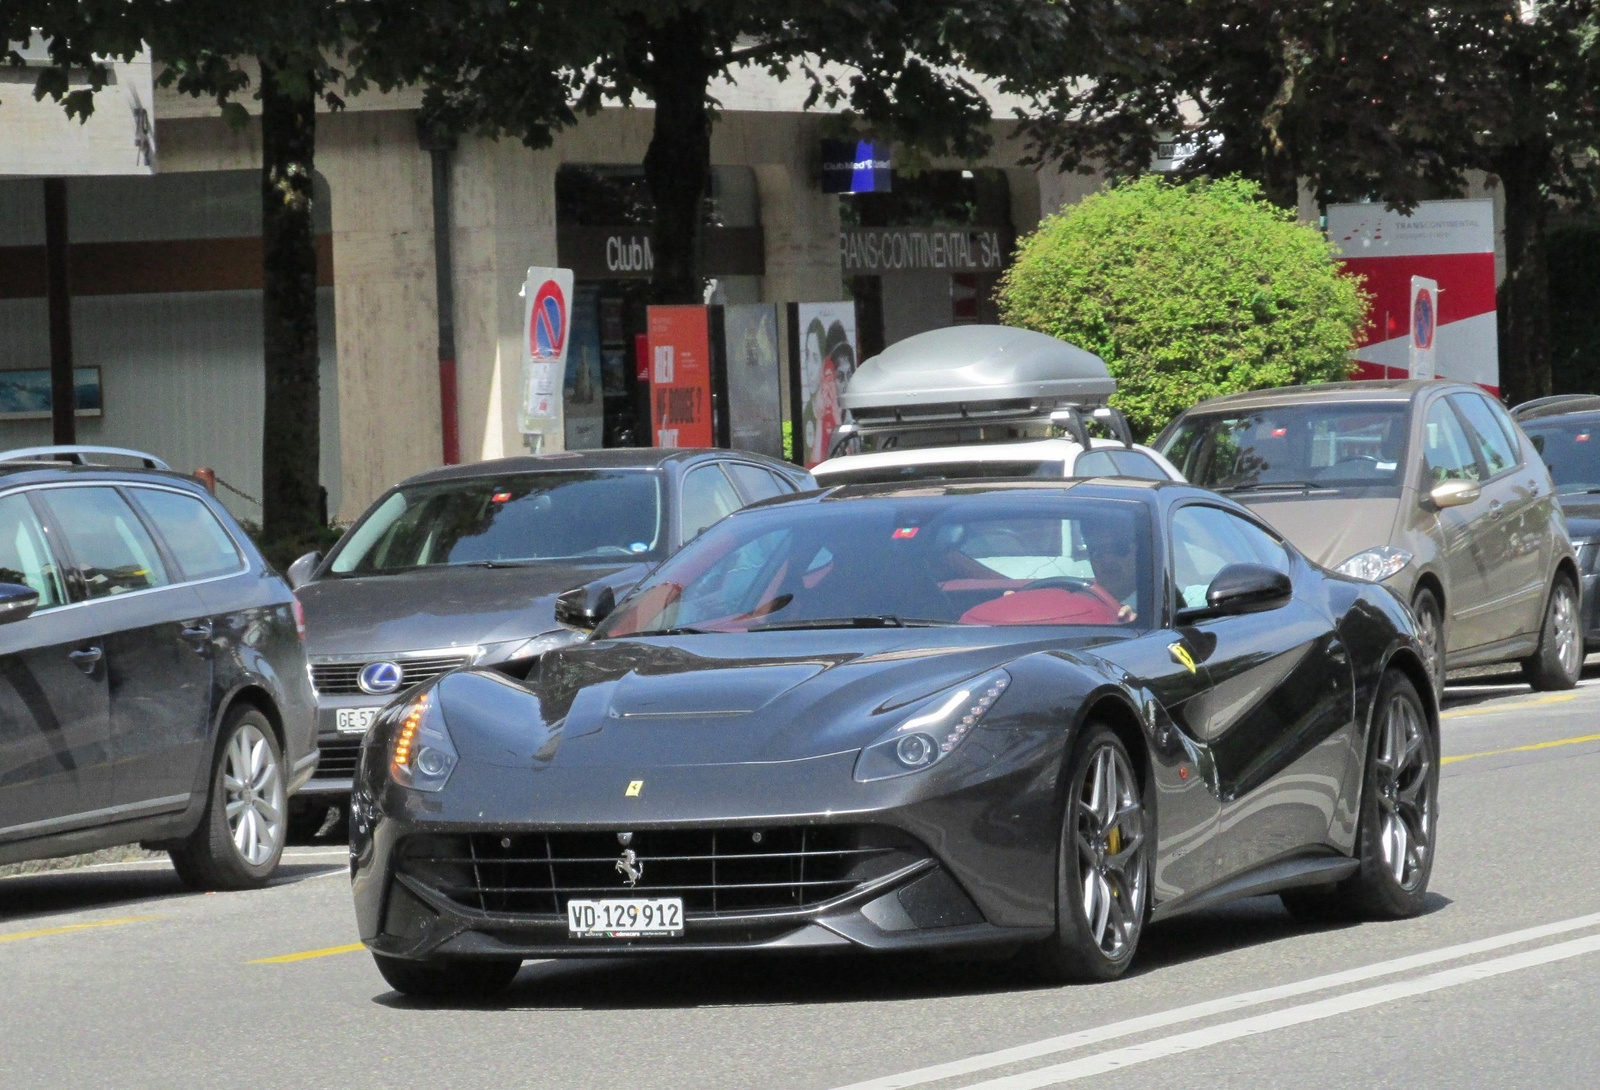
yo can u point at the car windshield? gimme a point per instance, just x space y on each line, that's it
1007 557
1571 450
942 471
1305 445
510 519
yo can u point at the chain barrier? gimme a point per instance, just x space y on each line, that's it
239 492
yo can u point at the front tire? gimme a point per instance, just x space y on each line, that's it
448 978
241 835
1430 634
1103 864
1558 663
1399 817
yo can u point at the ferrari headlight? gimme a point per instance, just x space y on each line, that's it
422 756
1375 565
929 735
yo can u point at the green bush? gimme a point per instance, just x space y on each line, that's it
1187 292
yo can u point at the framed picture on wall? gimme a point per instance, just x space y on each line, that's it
25 395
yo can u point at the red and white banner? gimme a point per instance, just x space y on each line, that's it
1439 259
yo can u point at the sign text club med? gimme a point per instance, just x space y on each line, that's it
1436 264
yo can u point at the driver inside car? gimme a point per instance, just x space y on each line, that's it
1115 564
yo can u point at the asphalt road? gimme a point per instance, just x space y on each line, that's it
114 976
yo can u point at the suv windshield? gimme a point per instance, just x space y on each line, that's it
1572 451
1003 558
510 519
1305 445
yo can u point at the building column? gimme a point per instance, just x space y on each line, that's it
380 188
504 209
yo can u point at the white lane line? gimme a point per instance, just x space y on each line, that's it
987 1061
1118 1059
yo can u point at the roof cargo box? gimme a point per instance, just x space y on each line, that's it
971 368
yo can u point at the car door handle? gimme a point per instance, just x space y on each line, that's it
86 659
198 636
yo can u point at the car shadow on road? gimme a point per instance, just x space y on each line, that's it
32 897
1253 921
1497 684
783 980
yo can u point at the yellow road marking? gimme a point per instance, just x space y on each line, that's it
1523 749
307 955
18 936
1490 709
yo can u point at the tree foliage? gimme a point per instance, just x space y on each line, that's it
1187 291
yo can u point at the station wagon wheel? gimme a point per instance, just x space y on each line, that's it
1558 663
241 834
1104 867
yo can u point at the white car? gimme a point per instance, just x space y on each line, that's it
1028 458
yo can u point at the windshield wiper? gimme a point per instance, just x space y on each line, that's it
494 564
880 620
681 630
1268 486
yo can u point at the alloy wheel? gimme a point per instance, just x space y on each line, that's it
1404 787
1110 836
1564 628
255 795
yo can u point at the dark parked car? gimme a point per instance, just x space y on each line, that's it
461 566
1014 713
1565 430
153 687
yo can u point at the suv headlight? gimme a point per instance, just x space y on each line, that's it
1375 565
421 755
929 734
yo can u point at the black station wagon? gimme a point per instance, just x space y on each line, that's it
153 686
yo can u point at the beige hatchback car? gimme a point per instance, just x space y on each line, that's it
1426 487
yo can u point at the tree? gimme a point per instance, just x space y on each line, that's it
205 48
1362 99
527 69
1187 291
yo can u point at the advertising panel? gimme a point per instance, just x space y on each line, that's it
822 357
583 412
755 397
1450 243
679 351
546 327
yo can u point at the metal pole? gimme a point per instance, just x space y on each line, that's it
63 397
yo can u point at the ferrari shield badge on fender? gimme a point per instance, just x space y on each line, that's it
1180 655
636 786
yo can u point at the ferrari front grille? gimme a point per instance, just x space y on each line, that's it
717 872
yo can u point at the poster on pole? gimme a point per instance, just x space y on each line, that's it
1424 309
546 326
581 408
679 352
1451 244
755 394
822 357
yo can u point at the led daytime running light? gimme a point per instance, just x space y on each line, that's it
409 726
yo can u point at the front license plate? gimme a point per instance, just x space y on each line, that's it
354 720
626 918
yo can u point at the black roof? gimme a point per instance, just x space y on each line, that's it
615 458
1556 405
1136 488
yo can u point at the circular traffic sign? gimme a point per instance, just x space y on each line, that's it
548 327
1422 320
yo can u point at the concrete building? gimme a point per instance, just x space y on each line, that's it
167 280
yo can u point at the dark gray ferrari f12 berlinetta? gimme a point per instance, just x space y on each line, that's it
1026 713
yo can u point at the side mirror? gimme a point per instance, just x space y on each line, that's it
16 602
301 570
1454 493
1242 588
586 606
